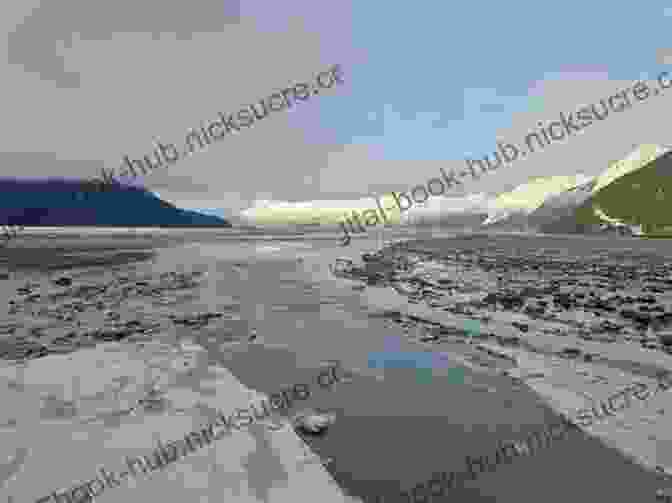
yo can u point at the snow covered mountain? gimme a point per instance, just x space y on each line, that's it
512 209
323 214
630 192
467 211
635 192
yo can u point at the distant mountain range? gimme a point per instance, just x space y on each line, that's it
312 215
55 202
631 196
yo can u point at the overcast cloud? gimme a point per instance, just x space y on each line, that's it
87 82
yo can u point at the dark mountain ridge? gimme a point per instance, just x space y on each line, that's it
55 202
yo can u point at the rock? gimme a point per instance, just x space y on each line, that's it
523 327
508 340
253 334
431 336
571 352
113 334
610 326
312 422
563 299
24 290
30 297
112 315
198 319
643 318
21 348
665 338
63 281
506 299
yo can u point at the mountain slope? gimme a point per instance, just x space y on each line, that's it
513 208
561 208
634 191
66 202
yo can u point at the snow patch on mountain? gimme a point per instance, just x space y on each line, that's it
528 197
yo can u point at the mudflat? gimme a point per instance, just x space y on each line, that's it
98 364
574 320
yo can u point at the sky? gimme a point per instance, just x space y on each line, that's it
425 85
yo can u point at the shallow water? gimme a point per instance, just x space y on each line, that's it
393 430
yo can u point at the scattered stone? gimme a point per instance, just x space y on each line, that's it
63 281
199 319
571 352
313 423
62 307
523 327
594 299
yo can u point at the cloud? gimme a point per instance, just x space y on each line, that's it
664 56
34 46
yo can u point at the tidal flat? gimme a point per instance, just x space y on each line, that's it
111 341
574 320
100 359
